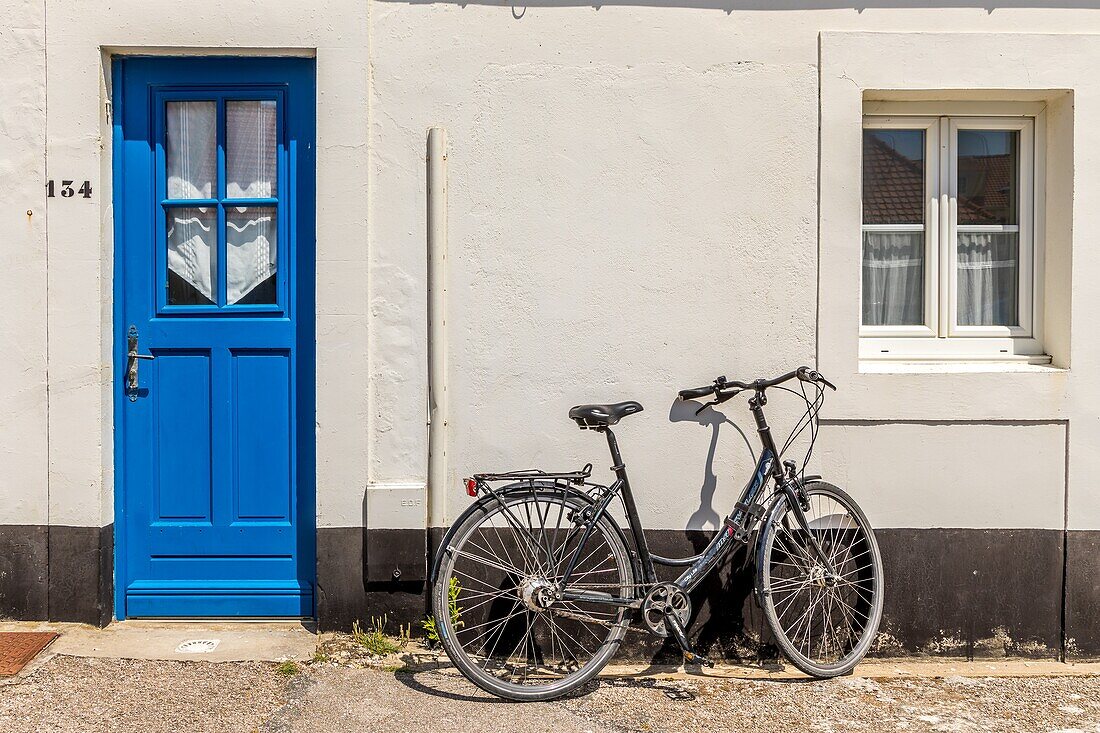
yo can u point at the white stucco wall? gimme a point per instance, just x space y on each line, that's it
23 434
634 208
639 200
79 42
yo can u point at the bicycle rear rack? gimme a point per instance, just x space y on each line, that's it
534 474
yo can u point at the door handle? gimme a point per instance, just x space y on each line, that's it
132 357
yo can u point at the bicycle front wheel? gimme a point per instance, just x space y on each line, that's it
494 603
823 616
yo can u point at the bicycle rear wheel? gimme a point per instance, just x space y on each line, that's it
493 595
824 622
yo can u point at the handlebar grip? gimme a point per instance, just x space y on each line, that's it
812 375
690 394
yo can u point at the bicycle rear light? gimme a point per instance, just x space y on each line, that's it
471 486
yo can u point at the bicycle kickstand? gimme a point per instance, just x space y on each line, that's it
690 656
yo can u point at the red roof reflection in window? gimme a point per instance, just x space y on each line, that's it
893 183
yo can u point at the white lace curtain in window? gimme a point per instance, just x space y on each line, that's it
987 278
893 278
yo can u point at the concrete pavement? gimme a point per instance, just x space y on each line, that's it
130 676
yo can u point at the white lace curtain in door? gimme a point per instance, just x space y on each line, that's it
250 172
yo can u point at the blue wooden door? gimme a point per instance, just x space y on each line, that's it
214 318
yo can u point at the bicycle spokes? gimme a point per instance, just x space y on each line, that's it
513 624
824 606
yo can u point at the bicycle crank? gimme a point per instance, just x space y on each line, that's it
661 601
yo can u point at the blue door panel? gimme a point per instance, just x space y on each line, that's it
220 568
222 599
182 436
214 449
263 443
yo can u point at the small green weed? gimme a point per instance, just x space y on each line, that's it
289 668
374 639
431 630
319 657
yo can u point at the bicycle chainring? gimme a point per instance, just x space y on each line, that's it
661 599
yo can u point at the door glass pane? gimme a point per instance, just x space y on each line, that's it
250 149
190 149
894 202
988 274
893 177
893 278
192 255
250 249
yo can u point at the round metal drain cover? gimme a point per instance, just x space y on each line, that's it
197 646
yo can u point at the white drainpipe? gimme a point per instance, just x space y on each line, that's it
437 325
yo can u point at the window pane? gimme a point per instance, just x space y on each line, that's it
988 276
192 255
893 278
250 234
190 149
250 149
893 177
987 176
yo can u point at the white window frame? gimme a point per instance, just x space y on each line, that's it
940 338
929 329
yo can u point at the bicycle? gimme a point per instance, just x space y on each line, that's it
535 585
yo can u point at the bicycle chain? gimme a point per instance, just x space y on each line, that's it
608 624
589 619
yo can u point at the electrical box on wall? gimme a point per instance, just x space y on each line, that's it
396 544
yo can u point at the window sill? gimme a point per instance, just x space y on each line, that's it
959 365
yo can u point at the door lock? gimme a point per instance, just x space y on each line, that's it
132 357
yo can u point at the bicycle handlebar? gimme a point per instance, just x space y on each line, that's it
690 394
721 384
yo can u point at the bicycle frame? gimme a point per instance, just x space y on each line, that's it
534 586
738 525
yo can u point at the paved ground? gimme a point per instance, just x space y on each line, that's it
70 694
99 694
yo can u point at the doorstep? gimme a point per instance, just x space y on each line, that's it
237 641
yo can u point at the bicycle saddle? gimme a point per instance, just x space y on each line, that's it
588 416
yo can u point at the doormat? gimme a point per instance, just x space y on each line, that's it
18 648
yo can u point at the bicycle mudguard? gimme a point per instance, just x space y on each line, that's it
758 551
489 498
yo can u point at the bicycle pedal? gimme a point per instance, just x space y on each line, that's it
693 658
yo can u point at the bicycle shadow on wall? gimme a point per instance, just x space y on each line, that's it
685 411
723 608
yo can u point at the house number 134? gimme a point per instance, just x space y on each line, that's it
66 189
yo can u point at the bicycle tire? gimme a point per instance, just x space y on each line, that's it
487 525
787 580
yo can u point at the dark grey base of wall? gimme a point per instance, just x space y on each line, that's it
346 587
972 592
951 592
958 592
57 573
1083 594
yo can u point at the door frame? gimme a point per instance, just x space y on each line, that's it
302 166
